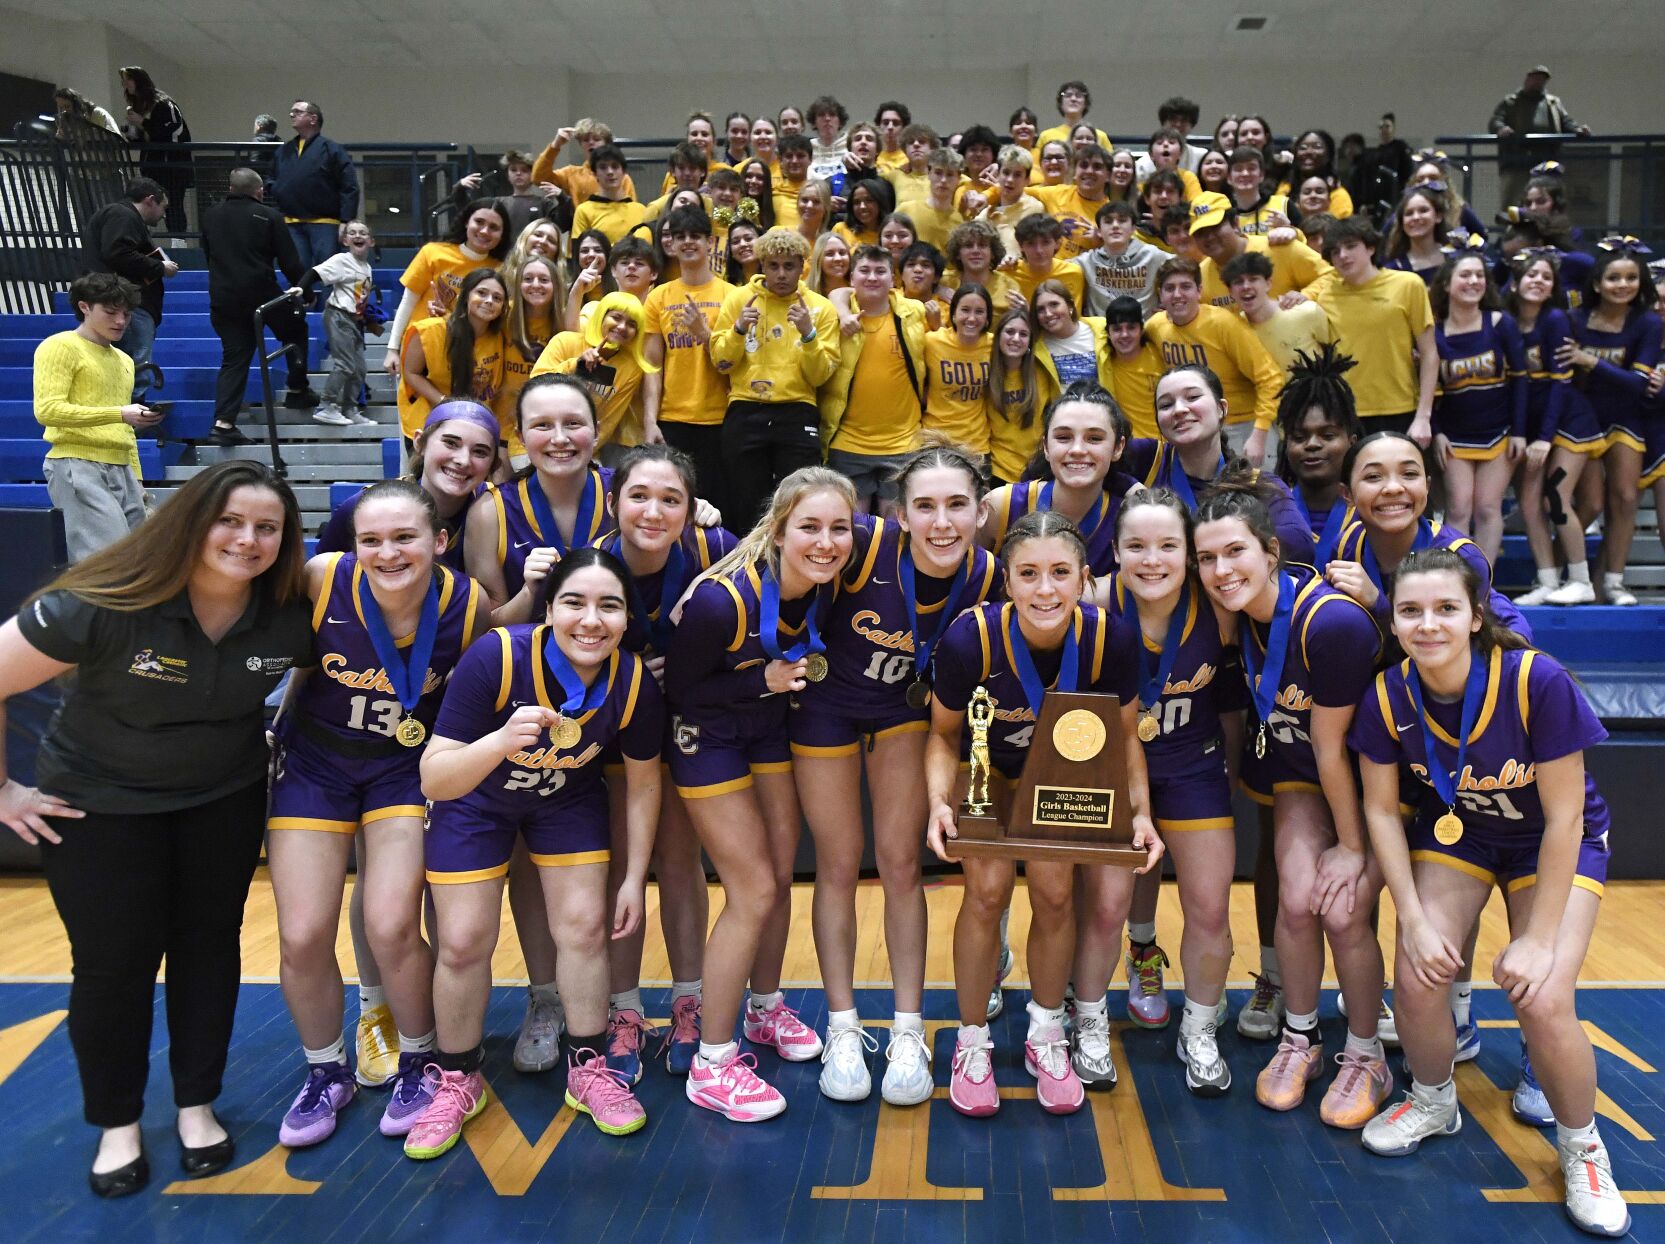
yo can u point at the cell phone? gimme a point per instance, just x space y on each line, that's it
601 373
160 408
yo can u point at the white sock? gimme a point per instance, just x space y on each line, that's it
629 1000
1196 1014
1269 965
761 1002
1578 572
716 1055
1613 578
1041 1017
1370 1047
974 1034
1306 1024
1566 1137
1461 997
1141 932
1551 578
1440 1094
843 1019
686 989
336 1053
370 997
546 993
907 1021
1089 1010
416 1045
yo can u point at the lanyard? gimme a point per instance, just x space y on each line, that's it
922 647
1474 692
1330 536
768 632
1024 663
672 581
1263 682
405 676
1150 689
546 516
1180 481
1367 556
1088 525
579 698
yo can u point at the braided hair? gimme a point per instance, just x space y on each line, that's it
1317 379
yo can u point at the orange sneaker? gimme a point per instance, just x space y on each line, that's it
1282 1085
1362 1085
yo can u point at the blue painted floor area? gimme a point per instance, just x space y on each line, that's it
828 1171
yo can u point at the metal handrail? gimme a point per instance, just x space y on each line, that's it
278 467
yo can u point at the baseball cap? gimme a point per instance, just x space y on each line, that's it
1208 209
1543 69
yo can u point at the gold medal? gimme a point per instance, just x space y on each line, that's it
410 732
918 693
1448 830
1149 727
815 666
1260 742
566 733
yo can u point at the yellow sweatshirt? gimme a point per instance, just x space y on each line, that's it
80 388
835 394
771 362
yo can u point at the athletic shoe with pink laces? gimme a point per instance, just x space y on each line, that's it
1282 1083
1147 999
625 1030
458 1097
784 1032
971 1087
1046 1056
1362 1085
682 1038
595 1089
734 1090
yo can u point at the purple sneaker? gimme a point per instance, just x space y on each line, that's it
311 1118
413 1092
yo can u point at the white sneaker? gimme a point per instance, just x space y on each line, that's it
1619 594
538 1047
362 420
331 415
1574 592
1537 596
1090 1050
907 1079
1399 1129
1593 1202
844 1074
1206 1073
1387 1028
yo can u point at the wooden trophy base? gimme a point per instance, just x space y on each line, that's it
982 837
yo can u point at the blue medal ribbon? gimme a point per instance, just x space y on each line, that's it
1150 688
1367 557
922 647
1088 525
405 676
1330 536
768 631
579 698
1264 680
1180 482
1474 693
545 515
1029 676
656 626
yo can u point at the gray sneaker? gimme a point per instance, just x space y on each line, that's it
1206 1073
1090 1051
997 1000
331 415
538 1047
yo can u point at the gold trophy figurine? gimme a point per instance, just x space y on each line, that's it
980 712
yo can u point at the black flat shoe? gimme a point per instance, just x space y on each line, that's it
123 1181
207 1160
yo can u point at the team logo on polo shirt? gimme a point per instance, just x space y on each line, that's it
146 664
268 665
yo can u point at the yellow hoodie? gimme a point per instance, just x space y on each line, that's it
772 362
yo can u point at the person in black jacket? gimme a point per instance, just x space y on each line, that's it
154 120
241 239
117 239
313 183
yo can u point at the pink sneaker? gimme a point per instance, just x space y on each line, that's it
458 1097
734 1090
971 1087
782 1030
1046 1056
595 1089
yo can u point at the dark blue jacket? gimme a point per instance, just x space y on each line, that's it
318 182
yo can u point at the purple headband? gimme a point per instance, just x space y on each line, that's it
467 411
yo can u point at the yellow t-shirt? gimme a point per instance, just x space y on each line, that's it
786 201
933 224
694 390
1078 215
1341 203
614 218
1221 341
955 375
1133 385
999 285
615 402
1302 327
891 160
1061 133
1011 444
1257 221
1068 274
883 415
910 187
517 370
1295 265
437 272
1378 323
853 239
483 386
1004 218
576 179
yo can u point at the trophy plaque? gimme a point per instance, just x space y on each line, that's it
1070 802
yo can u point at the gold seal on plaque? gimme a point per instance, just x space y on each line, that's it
1079 735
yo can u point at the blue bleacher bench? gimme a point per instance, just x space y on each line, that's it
24 497
22 459
185 422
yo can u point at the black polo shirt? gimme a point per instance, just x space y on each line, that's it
155 717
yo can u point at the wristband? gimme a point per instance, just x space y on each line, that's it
809 337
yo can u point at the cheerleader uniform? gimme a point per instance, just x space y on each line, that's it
525 521
552 796
1098 528
1615 388
1551 414
872 658
1481 401
1532 711
341 765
